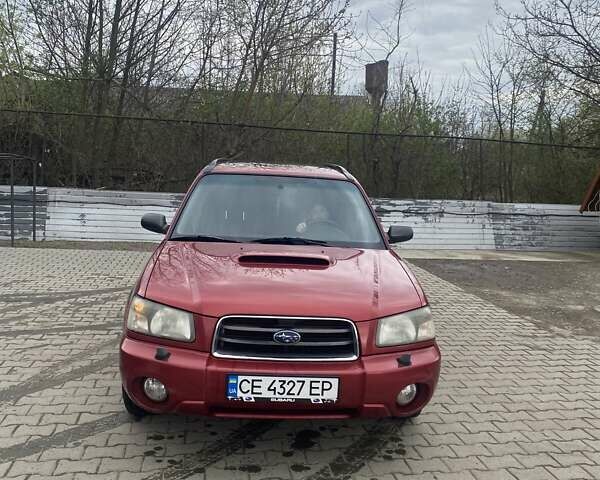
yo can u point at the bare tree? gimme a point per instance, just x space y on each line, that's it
402 101
382 37
10 43
273 47
564 35
13 59
502 80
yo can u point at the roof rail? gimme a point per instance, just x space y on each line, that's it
340 169
215 162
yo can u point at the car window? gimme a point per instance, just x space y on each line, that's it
251 207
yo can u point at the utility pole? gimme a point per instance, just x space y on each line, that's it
332 92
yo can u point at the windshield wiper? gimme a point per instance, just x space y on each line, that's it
291 241
202 238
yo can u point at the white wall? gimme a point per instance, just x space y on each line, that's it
77 214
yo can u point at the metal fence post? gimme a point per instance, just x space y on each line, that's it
203 146
12 202
480 169
348 164
34 192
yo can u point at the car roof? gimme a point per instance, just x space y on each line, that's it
256 168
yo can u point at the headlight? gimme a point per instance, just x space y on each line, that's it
404 328
159 320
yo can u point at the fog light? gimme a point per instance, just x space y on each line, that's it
155 390
407 394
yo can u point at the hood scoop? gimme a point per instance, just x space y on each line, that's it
274 260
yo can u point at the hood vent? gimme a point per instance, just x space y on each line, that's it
266 259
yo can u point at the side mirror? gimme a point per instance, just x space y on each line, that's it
399 233
155 222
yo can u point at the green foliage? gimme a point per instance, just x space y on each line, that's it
399 148
156 155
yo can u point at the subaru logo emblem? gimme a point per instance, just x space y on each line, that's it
286 337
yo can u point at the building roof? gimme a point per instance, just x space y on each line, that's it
591 200
276 169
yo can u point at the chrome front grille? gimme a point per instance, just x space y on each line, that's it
252 337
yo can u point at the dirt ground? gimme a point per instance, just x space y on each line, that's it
562 296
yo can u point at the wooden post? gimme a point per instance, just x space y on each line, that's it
333 68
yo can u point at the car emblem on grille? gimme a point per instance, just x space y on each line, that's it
286 336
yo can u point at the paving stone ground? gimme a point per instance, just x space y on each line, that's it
515 400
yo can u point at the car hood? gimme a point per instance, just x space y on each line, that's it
217 279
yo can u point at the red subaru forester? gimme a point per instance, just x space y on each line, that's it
275 294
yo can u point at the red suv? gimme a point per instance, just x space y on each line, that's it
275 294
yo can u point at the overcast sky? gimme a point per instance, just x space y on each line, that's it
441 34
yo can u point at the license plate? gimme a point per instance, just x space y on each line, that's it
255 388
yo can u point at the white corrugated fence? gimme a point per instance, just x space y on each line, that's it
102 215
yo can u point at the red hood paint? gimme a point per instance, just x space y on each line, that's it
207 279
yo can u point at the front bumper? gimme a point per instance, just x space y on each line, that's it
196 382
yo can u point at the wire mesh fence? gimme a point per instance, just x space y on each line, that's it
94 151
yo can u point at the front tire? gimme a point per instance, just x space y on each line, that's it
131 407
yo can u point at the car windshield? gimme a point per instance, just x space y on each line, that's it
278 209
